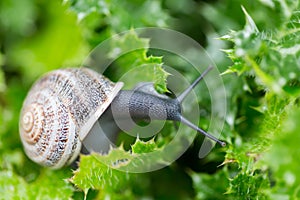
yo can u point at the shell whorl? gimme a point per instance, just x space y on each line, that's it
32 123
59 111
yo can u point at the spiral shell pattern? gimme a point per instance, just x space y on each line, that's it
59 111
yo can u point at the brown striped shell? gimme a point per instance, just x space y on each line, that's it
59 111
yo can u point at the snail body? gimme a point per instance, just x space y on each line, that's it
62 107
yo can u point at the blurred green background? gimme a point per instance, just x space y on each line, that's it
257 51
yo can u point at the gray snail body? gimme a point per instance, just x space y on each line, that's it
62 107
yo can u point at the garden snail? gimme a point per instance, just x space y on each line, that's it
62 107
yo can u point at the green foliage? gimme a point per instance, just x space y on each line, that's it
143 147
206 185
95 172
261 77
281 159
28 51
113 16
50 185
12 186
270 55
108 173
248 186
131 52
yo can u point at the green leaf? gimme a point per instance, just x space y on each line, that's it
160 79
133 62
51 185
101 171
271 56
249 186
113 16
143 147
245 158
107 173
12 186
281 159
208 186
86 8
130 42
250 26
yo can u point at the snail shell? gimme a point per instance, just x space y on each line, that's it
59 112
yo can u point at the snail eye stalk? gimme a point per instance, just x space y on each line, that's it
193 126
184 94
180 99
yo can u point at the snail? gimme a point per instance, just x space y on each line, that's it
62 107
